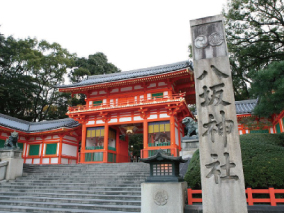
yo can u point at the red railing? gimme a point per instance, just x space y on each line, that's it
131 102
250 199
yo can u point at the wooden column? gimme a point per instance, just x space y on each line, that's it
172 124
83 143
41 151
60 149
105 143
145 138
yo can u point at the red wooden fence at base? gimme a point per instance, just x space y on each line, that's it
249 191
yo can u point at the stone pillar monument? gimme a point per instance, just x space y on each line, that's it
221 169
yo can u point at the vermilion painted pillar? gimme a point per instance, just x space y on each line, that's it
172 124
41 151
105 143
83 144
145 138
60 149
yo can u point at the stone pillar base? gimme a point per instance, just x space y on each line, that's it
165 197
15 162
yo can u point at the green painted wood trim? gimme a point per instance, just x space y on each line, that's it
260 131
34 149
51 149
21 145
278 128
97 103
157 95
2 142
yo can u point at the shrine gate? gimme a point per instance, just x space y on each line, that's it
152 101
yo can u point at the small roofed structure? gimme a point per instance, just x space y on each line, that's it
163 167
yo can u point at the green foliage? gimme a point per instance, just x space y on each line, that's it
29 70
255 36
95 64
268 85
192 175
262 156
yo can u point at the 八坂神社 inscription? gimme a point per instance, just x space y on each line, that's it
220 155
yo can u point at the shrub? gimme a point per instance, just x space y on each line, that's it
263 157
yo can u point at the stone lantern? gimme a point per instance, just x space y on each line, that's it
164 190
164 168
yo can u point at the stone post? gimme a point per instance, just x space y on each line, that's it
15 162
221 167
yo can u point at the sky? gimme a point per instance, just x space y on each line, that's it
133 34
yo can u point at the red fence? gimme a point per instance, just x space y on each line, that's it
250 200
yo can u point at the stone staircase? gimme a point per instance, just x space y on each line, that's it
93 188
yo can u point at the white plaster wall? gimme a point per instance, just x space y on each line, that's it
73 161
4 134
94 93
240 132
138 87
123 89
28 161
69 150
113 120
36 160
137 118
271 130
176 136
152 85
100 122
102 92
54 160
153 116
149 96
64 161
55 136
125 119
70 138
114 90
162 84
141 97
91 122
48 137
164 115
166 93
45 160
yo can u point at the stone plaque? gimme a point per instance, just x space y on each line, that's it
221 169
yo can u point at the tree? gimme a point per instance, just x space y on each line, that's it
255 36
95 64
29 70
268 86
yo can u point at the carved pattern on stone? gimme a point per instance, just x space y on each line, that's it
161 198
215 39
201 42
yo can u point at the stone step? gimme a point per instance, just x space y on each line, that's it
81 196
71 200
114 188
75 191
79 181
126 208
18 209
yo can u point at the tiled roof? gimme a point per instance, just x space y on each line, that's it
97 79
30 127
242 107
246 106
